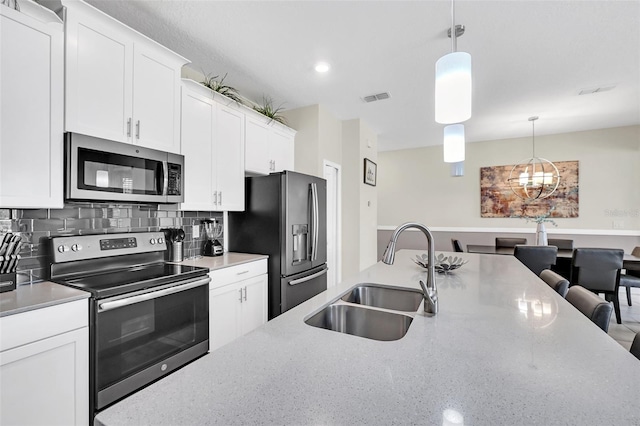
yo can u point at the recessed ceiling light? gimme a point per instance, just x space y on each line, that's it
322 67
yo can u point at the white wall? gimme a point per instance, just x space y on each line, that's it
415 185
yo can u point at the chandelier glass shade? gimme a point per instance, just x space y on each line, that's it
453 143
534 178
453 88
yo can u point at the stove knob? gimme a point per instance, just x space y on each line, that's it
62 249
152 241
76 247
160 240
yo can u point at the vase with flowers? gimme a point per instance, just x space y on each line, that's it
541 230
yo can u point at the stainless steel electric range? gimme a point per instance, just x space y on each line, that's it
147 317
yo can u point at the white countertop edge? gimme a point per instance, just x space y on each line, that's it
532 230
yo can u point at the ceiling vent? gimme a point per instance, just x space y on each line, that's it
596 90
377 97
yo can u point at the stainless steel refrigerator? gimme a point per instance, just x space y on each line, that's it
285 217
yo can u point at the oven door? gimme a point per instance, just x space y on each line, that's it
143 336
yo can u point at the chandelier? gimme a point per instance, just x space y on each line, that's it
534 178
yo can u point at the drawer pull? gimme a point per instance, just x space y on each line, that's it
242 273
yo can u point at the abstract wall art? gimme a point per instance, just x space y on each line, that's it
498 200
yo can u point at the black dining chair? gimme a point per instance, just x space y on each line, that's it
509 242
557 282
560 243
635 346
591 305
457 247
631 278
598 270
536 258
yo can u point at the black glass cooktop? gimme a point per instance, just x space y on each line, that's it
111 283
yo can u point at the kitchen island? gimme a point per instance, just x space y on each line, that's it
504 349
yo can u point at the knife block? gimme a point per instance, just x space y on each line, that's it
7 282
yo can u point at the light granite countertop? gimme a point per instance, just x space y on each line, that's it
224 261
27 297
504 349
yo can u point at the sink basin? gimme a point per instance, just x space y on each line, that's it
394 298
363 322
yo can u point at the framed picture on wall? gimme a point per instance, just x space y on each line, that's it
370 172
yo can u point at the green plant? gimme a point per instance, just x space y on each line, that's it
216 85
267 109
545 217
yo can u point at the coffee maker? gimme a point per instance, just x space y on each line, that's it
213 230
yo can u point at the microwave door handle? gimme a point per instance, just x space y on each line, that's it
165 177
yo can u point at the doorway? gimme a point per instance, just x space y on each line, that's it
332 173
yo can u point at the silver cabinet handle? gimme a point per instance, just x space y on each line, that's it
309 277
220 197
129 127
242 273
138 129
245 293
106 306
240 290
215 197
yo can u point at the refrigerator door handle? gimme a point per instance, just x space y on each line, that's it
309 277
314 222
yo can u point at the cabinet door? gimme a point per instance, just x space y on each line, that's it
281 151
46 382
229 159
31 83
224 312
156 101
257 159
98 77
196 146
254 303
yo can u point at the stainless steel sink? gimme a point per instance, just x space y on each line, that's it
363 322
394 298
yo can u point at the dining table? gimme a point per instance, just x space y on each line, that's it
629 261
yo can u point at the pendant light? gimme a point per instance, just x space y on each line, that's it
453 143
453 81
534 178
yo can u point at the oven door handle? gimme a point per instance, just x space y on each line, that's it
107 306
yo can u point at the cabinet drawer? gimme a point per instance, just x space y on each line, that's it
27 327
225 276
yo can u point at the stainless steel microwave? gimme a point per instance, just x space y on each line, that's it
103 170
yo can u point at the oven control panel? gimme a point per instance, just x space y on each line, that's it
118 243
81 247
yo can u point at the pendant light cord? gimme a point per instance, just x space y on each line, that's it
454 37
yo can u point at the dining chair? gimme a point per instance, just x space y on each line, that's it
457 247
631 278
560 243
509 242
557 282
536 258
635 346
598 270
591 305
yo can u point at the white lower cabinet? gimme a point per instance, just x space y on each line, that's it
237 301
44 366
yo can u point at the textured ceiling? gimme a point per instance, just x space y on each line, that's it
529 58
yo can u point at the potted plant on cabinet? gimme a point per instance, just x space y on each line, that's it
268 110
216 85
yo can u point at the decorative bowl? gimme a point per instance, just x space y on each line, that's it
443 265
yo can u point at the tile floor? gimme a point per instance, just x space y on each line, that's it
625 332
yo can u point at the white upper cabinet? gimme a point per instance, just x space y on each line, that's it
269 146
120 85
31 111
213 147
